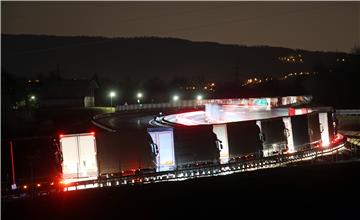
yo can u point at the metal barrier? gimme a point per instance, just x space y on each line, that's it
348 111
267 101
196 172
209 170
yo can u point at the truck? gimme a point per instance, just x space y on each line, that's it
195 145
79 156
184 146
238 140
125 152
328 127
273 136
244 139
299 130
307 130
314 128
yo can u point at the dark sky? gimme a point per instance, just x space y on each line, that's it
328 26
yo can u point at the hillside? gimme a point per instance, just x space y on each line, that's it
31 55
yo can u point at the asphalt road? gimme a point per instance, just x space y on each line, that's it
136 119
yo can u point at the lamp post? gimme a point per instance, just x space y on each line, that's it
31 101
139 95
112 94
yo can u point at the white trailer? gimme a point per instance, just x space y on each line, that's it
164 140
221 132
79 156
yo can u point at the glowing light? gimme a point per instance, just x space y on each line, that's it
139 95
92 133
52 183
32 98
337 138
199 97
25 187
175 98
71 188
38 185
61 135
112 94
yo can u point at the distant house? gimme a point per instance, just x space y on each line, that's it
68 93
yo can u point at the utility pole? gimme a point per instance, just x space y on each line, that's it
13 186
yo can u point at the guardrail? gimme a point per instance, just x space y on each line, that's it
266 101
348 111
181 103
208 170
198 172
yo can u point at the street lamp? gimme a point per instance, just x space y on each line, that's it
139 95
175 98
112 94
199 97
32 98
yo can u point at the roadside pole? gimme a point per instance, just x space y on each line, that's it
13 186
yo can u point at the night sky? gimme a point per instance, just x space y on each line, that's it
326 26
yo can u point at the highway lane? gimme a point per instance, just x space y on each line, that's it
126 120
120 121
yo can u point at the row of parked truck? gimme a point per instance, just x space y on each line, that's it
152 149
